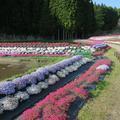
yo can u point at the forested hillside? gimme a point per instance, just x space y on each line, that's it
55 19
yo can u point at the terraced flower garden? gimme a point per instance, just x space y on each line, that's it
49 79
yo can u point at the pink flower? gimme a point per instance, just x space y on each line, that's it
56 104
81 92
30 114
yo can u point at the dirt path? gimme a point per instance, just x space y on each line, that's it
107 105
115 46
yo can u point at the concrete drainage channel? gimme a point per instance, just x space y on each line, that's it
10 115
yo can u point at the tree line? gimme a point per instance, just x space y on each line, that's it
56 19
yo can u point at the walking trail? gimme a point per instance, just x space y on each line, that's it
107 105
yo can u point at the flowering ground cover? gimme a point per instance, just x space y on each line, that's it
38 49
51 49
35 98
23 87
56 104
40 73
18 66
106 103
97 47
29 56
45 49
49 90
101 52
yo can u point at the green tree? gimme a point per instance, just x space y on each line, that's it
106 17
99 16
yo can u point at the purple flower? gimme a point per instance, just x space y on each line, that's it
99 46
57 67
43 71
20 82
30 79
39 75
52 68
76 58
63 64
7 88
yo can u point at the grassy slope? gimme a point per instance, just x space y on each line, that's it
16 66
107 105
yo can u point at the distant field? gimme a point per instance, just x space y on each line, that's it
15 66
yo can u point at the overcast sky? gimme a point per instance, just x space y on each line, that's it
113 3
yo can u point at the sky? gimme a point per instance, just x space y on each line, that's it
113 3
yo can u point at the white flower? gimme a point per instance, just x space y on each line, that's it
43 85
22 96
1 108
102 67
34 89
61 74
9 103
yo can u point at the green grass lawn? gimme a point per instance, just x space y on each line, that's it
17 66
106 106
